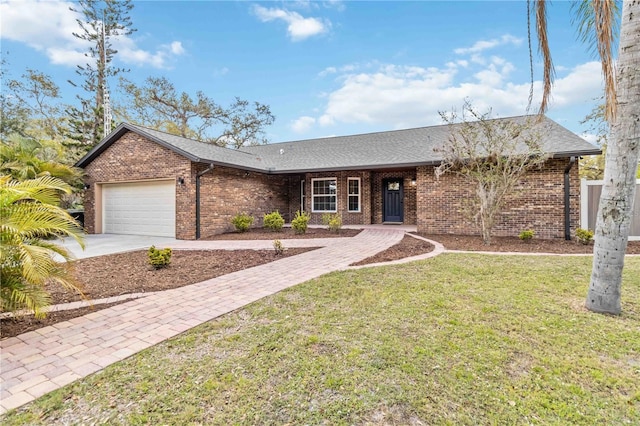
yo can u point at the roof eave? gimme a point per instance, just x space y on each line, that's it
355 167
235 166
578 153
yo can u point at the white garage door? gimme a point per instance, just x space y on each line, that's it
139 208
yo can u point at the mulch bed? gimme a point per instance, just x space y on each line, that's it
514 244
407 247
126 273
284 234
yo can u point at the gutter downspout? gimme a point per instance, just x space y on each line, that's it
567 200
198 175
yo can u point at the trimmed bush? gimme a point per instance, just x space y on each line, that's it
333 222
273 221
159 258
278 247
300 222
584 236
527 235
242 222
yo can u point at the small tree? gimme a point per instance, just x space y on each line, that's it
491 155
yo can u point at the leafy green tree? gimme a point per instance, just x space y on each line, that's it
13 115
39 96
30 214
157 104
101 21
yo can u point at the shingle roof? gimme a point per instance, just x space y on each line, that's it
398 148
196 151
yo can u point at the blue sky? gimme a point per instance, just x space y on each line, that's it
327 67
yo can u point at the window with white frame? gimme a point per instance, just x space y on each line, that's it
324 195
353 197
303 195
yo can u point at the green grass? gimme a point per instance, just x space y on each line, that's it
458 339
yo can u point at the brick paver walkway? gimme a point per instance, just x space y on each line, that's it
43 360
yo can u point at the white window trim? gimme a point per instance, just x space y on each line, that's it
359 194
302 195
313 195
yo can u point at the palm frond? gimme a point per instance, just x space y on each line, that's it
29 212
597 25
545 51
18 295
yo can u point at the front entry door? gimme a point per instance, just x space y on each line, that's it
392 201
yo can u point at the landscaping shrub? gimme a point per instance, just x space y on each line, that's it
527 235
332 221
300 222
584 236
273 221
242 222
159 258
278 247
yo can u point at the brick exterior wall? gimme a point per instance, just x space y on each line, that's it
443 205
348 218
436 206
225 192
410 203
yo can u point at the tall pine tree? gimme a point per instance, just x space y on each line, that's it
101 21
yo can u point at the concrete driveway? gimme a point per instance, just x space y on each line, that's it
101 244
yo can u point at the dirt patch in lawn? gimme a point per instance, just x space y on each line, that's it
126 273
407 247
284 234
514 244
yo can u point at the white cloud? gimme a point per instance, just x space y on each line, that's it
129 52
44 26
397 96
482 45
299 27
302 124
176 48
329 70
49 26
581 85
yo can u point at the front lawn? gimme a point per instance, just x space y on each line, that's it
457 339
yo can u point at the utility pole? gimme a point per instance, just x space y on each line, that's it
106 106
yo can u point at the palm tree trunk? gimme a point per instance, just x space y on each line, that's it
616 202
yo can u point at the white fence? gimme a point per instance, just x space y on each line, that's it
590 197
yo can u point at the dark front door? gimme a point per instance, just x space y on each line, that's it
392 201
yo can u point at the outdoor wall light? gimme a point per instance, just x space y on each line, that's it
413 181
180 181
86 186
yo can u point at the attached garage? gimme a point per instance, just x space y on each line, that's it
140 208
